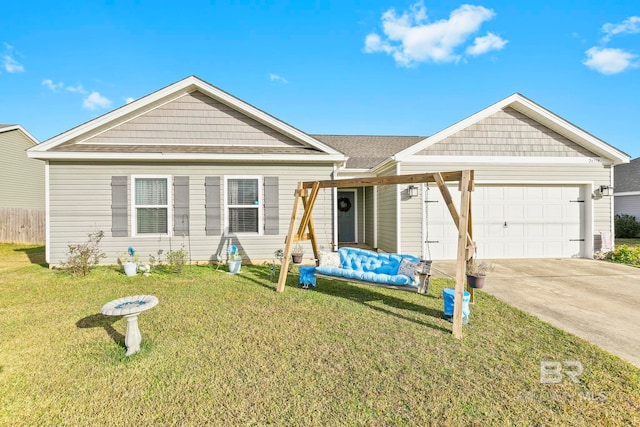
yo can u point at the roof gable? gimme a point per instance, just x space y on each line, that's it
563 137
507 132
28 137
187 118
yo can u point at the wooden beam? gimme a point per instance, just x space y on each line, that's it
448 200
288 243
384 180
462 251
308 203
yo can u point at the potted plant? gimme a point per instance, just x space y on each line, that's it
477 272
234 260
297 253
129 261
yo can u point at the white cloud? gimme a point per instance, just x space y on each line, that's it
277 78
129 100
51 85
9 63
609 60
410 38
630 25
77 89
486 44
95 101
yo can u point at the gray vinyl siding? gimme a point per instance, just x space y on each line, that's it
519 173
21 178
627 205
80 203
508 133
387 214
192 119
369 212
411 225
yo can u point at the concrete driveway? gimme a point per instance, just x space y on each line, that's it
595 300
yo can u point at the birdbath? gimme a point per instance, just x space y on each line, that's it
130 307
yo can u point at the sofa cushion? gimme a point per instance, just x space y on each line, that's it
329 259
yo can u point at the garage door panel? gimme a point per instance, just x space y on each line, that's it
540 221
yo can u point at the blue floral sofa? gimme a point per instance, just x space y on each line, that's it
369 266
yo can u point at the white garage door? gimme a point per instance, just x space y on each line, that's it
512 221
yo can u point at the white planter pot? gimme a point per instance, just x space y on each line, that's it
130 268
234 266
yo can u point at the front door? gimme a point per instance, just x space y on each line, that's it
346 216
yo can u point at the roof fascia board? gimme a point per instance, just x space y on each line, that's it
536 112
67 155
509 160
21 129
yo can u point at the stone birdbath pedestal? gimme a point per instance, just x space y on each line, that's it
130 307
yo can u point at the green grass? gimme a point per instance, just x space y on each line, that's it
228 350
631 243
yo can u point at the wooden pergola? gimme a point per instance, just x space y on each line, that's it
307 192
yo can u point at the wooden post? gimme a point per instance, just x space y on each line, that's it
288 243
462 253
470 233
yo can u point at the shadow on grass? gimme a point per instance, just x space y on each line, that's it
367 296
35 255
356 294
99 320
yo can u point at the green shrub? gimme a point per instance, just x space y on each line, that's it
82 256
176 260
624 255
626 226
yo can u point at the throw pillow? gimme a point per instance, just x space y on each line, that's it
330 259
408 268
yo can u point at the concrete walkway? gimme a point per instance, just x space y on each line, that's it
595 300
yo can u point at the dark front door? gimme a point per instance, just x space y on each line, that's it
346 216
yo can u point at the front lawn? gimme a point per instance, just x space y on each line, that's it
630 243
229 350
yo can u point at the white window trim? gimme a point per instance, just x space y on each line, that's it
260 205
134 212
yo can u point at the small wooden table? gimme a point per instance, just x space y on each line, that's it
130 307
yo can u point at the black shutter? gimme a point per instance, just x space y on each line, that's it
271 206
181 205
119 205
212 206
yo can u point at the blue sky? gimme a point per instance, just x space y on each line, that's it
383 67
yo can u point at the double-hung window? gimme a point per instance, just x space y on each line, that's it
151 209
243 205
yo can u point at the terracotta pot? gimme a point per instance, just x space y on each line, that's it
476 282
297 259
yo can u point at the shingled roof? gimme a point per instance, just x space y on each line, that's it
626 177
366 151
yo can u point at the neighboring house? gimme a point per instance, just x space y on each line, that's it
192 165
627 189
22 202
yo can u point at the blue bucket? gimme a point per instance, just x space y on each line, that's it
448 294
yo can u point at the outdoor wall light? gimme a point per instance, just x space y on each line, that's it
603 191
412 191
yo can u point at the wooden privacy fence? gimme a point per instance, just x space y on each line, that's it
22 225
